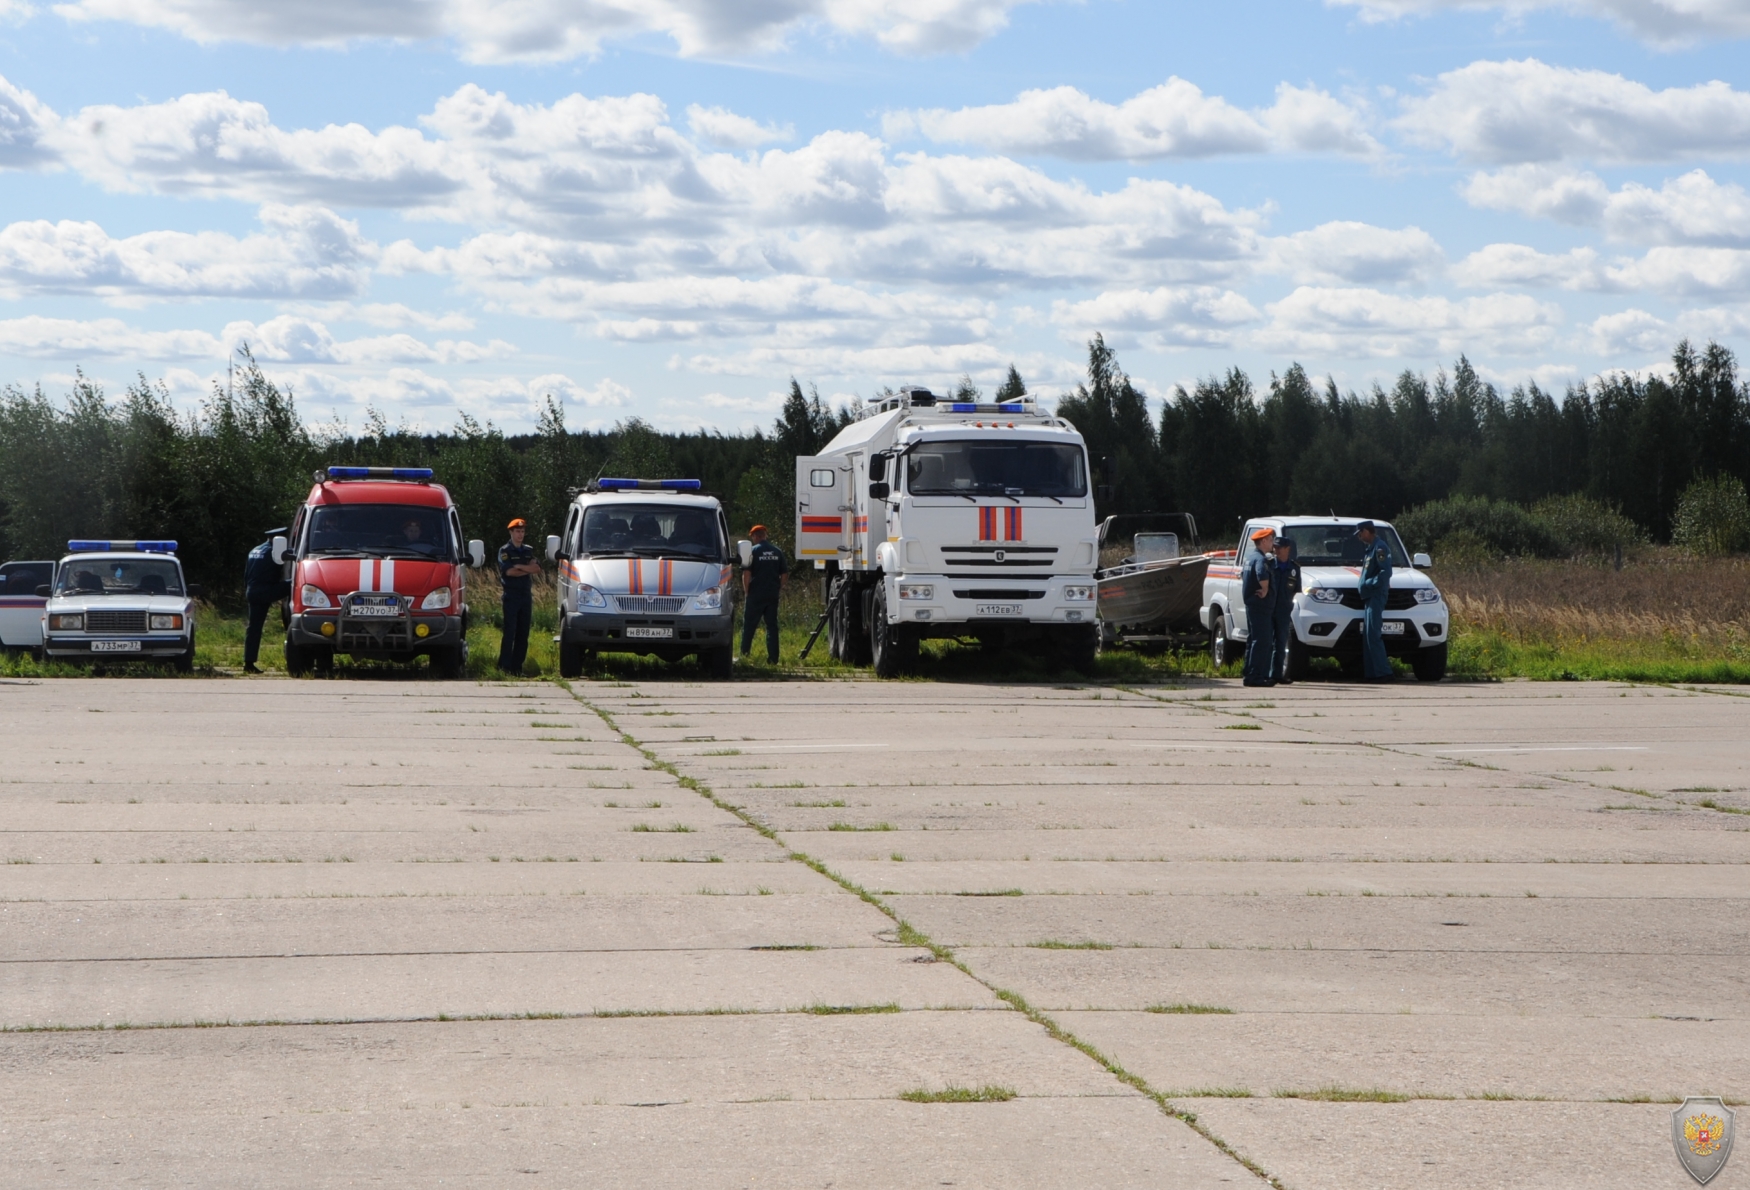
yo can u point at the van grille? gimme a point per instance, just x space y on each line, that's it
115 621
650 603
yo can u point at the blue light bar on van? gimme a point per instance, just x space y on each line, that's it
1011 409
142 547
963 407
648 485
409 473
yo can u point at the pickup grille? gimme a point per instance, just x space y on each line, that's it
115 621
650 603
1395 601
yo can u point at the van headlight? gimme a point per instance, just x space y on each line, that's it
314 596
1078 594
1325 595
68 623
1427 595
170 623
917 591
588 596
708 601
438 599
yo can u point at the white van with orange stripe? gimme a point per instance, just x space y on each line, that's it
644 568
938 518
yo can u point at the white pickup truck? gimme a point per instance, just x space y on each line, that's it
1327 612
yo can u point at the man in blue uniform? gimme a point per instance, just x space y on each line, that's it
517 567
1286 585
1375 589
264 584
762 582
1258 589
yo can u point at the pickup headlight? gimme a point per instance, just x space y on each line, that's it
314 596
439 598
911 591
1325 595
68 623
170 623
708 601
1427 595
1078 594
588 596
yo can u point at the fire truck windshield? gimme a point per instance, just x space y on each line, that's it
380 531
983 467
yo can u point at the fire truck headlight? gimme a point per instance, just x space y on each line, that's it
588 596
68 623
439 598
314 596
1078 594
169 623
917 591
708 601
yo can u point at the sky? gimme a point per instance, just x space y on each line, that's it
667 209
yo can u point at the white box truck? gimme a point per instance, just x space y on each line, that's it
959 519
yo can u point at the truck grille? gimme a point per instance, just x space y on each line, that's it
1395 601
650 603
115 621
376 636
998 593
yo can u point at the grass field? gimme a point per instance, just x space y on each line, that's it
1665 617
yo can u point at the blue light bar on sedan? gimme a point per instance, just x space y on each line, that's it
142 547
414 474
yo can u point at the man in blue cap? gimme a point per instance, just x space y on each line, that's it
264 584
1258 589
1375 589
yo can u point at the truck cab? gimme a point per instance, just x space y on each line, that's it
1328 611
936 518
21 607
120 601
377 564
644 568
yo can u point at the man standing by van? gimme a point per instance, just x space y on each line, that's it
762 582
517 567
264 584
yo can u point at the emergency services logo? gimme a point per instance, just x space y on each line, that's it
1702 1131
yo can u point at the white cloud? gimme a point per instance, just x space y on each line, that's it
1333 253
1355 321
393 315
1691 209
1175 119
1541 191
1662 22
558 30
1517 264
305 252
291 339
285 339
1686 271
1616 335
724 128
1164 319
1527 111
1675 271
37 337
24 122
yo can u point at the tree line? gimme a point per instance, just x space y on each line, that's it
217 477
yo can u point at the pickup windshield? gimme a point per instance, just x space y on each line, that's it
380 531
653 530
1337 545
120 576
983 467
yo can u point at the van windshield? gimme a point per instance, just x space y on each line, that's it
380 531
120 576
983 467
655 530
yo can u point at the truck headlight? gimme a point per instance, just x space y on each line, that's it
708 601
314 596
439 598
1325 595
917 591
68 623
1427 595
170 623
1078 594
588 596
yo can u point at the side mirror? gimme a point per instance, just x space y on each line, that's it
42 592
279 550
196 591
744 551
877 467
552 547
1421 561
878 491
476 554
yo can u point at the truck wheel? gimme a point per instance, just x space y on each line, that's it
323 661
859 644
893 647
1080 649
570 660
835 623
719 663
298 660
449 664
184 662
1430 664
1221 649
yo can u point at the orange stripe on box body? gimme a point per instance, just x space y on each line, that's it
634 577
861 525
822 524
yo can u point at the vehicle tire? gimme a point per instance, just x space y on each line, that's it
893 648
835 623
859 644
719 663
1430 663
1080 649
298 660
1221 648
570 660
1299 661
449 664
184 663
322 660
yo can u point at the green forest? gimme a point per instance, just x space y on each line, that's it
1524 471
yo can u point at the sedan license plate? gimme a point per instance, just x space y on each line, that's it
1392 628
115 646
641 633
997 609
375 609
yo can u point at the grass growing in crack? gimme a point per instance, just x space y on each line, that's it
1335 1094
847 826
849 1009
1054 944
989 1093
644 828
1001 892
1213 1093
1190 1009
837 803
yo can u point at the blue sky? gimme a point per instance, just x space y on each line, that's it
667 208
